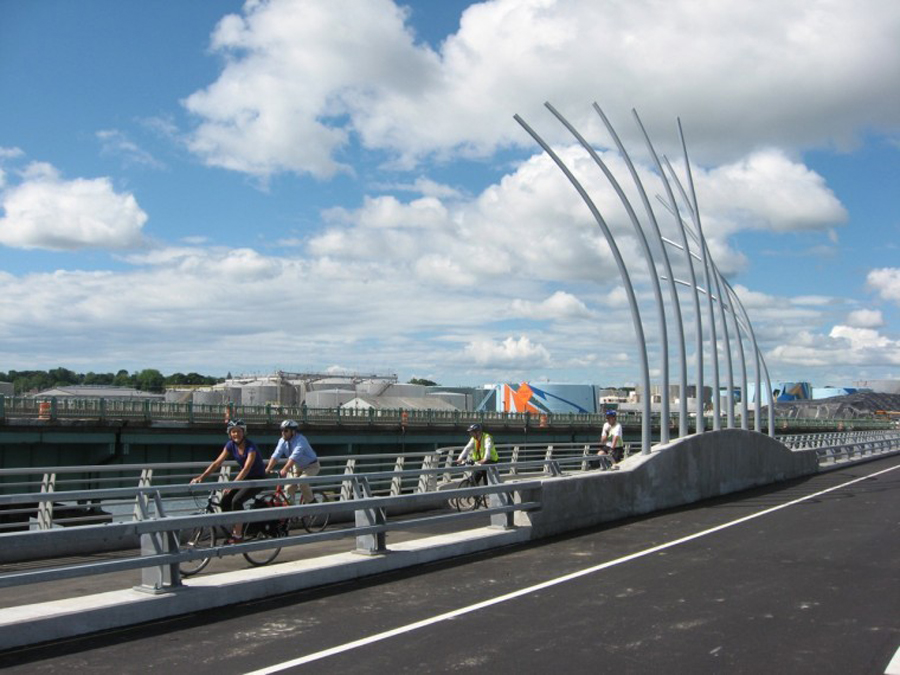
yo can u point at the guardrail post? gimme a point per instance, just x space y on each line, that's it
513 460
502 521
397 481
368 544
553 468
347 485
428 481
45 508
144 481
161 578
585 463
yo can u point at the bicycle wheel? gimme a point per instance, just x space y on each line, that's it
198 538
467 502
266 555
318 522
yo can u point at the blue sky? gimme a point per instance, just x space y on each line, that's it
310 185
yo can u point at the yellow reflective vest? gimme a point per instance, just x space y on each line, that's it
486 444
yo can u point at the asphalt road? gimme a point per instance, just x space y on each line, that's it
803 577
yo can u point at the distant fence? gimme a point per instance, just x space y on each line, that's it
63 408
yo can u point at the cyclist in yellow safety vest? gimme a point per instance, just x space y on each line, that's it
479 450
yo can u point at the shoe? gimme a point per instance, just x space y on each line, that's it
234 540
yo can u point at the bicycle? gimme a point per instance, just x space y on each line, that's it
313 523
206 536
468 502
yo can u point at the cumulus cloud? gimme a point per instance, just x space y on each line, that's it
865 318
560 305
48 212
512 352
302 81
885 282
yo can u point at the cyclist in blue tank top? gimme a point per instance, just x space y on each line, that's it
243 451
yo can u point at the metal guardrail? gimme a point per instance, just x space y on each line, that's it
161 553
69 408
511 487
77 490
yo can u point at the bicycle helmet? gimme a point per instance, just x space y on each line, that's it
289 424
475 427
236 424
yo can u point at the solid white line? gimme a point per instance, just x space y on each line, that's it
541 586
894 666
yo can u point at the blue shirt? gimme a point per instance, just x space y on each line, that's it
258 468
297 449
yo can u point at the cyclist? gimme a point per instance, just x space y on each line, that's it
611 438
243 451
480 450
301 459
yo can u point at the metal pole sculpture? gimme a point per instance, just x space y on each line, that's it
711 275
676 305
623 272
648 255
731 306
717 287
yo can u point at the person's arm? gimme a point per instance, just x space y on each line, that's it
276 455
464 455
488 449
212 467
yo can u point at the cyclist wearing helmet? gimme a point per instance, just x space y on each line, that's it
301 459
480 449
243 451
611 437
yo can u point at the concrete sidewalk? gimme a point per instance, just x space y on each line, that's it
53 619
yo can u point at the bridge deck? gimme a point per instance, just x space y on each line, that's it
808 588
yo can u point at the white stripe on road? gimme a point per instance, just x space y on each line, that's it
541 586
894 666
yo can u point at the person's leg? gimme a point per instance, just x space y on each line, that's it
305 488
237 503
291 490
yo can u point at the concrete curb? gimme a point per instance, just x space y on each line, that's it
29 624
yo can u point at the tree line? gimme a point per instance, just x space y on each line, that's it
149 379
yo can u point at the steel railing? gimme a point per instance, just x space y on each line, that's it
160 501
148 411
159 532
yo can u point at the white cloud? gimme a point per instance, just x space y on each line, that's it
302 80
45 211
117 143
519 353
885 282
844 345
560 305
865 318
766 190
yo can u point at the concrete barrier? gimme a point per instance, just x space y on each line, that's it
681 472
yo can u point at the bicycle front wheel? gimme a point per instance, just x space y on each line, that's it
468 502
197 538
319 522
263 556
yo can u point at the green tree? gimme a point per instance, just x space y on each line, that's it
98 378
123 379
62 377
427 383
150 379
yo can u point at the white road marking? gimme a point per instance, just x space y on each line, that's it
894 666
378 637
